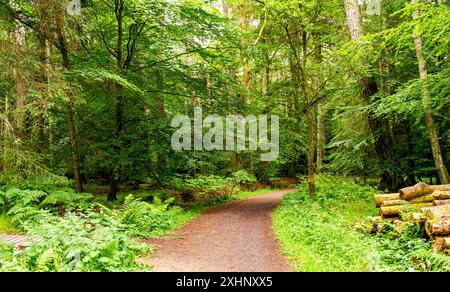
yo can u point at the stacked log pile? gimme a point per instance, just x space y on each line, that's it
420 204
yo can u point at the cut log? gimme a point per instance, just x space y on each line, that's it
379 219
380 224
442 242
437 212
416 218
394 203
438 227
379 199
394 211
442 202
441 195
400 226
424 199
444 188
419 190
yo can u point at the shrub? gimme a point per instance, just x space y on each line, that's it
242 177
22 205
141 219
66 199
202 188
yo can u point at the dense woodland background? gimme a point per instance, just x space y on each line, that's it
91 97
362 89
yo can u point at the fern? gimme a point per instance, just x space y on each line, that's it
2 199
23 197
26 215
65 198
49 261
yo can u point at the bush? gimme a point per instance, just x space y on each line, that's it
141 219
63 199
202 188
22 205
242 177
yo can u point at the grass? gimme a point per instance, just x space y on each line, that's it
316 233
6 225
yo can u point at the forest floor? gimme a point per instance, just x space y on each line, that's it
235 237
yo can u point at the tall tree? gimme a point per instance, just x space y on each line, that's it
426 99
19 79
390 179
61 44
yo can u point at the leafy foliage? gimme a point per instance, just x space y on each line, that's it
141 219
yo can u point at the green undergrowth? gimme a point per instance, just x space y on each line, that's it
6 226
330 232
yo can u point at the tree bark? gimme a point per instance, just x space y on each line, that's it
225 9
264 165
19 81
295 80
120 102
245 82
320 136
438 228
383 140
62 47
309 116
160 109
426 99
394 211
442 242
45 79
378 200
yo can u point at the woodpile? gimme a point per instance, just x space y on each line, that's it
420 204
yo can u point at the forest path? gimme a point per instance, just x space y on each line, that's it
235 237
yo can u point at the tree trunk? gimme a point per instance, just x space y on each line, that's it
309 116
320 136
160 109
62 47
383 140
19 84
396 203
225 9
295 80
264 165
245 82
120 103
74 146
426 98
42 103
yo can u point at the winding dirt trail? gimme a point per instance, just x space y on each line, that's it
236 237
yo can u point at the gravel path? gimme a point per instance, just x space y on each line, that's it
236 237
